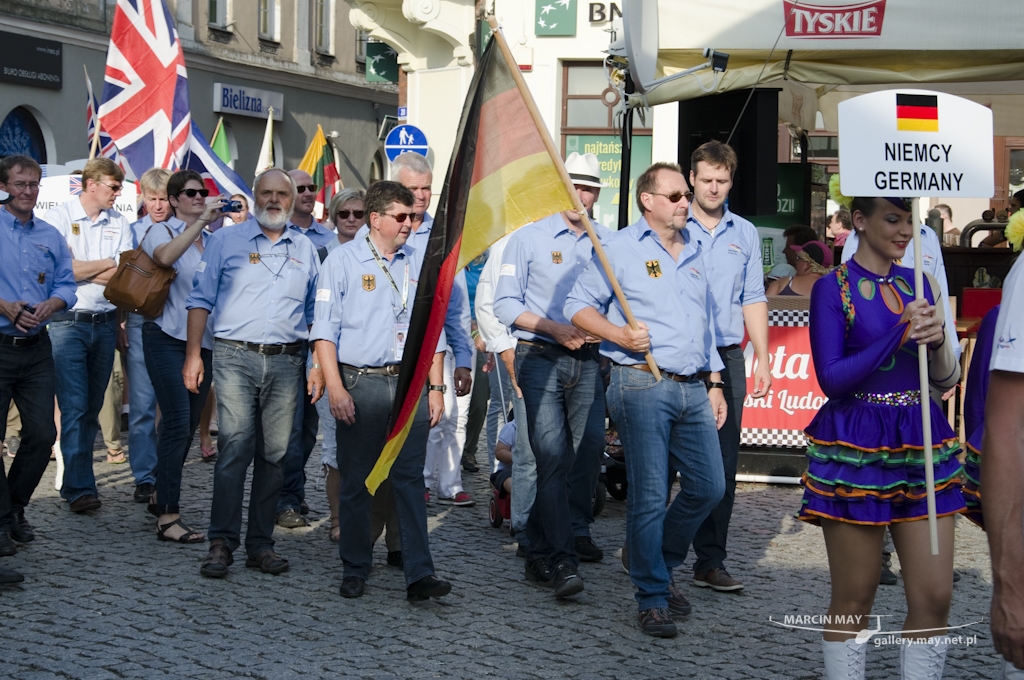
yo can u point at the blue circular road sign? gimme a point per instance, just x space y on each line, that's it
403 139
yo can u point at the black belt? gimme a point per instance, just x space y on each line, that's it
390 369
22 340
555 345
678 377
728 348
290 348
86 317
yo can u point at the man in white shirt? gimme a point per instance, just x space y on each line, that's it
84 336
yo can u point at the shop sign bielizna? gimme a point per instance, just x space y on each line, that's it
247 101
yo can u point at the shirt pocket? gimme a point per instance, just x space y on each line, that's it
296 282
41 267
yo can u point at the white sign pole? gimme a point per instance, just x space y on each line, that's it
926 398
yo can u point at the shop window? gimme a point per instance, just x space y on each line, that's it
323 25
1016 178
20 134
268 18
217 13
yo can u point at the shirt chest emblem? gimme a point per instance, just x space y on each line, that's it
695 273
42 277
254 258
556 257
369 281
735 249
75 229
654 269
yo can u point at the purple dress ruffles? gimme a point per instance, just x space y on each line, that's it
866 444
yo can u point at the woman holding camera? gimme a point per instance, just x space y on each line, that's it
177 243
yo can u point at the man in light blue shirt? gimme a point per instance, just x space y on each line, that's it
732 253
302 219
666 424
84 336
259 280
36 280
558 371
363 311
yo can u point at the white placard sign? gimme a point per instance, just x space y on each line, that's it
915 143
60 189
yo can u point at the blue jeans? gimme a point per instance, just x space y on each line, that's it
563 397
26 376
374 396
179 411
300 446
257 396
524 476
83 356
502 395
709 542
664 426
142 408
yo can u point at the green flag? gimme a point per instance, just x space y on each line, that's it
555 17
219 143
381 63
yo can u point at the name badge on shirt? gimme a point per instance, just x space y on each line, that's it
401 335
254 258
369 281
75 229
42 277
556 257
654 269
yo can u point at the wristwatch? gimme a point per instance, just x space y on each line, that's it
439 388
712 385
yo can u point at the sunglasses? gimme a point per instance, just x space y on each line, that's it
400 217
676 196
301 188
191 193
113 187
343 214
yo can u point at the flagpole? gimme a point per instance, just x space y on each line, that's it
96 117
216 130
926 399
549 144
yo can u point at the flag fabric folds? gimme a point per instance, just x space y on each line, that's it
266 159
217 176
106 147
500 178
145 105
319 163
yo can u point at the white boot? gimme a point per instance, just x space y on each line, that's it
844 660
1011 672
923 660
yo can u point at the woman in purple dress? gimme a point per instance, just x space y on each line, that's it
865 454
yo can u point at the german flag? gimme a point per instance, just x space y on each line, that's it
917 112
319 163
504 174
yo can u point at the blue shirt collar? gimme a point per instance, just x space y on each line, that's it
253 230
643 230
366 256
15 222
725 222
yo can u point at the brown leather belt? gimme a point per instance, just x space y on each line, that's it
678 377
390 369
291 348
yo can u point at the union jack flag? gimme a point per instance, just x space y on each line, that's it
75 185
145 106
106 147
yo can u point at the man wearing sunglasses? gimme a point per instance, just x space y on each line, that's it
732 251
84 337
557 368
291 506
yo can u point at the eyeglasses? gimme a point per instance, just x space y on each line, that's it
358 214
191 193
675 196
311 188
113 187
400 217
21 186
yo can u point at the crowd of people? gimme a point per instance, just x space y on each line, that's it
299 326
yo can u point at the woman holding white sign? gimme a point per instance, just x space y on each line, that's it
865 456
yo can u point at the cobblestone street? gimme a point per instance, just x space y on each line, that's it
103 599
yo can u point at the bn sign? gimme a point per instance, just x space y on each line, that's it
601 12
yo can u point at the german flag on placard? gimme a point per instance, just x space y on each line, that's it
500 178
319 163
917 112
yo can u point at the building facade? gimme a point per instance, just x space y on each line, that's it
302 56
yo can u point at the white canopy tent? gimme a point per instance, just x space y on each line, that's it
831 50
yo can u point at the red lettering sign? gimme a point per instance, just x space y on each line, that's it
795 395
860 20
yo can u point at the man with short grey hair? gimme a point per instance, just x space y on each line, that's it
258 279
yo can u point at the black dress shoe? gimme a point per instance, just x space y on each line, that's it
85 504
8 576
427 587
539 571
470 466
586 549
303 508
144 492
352 586
7 547
21 530
566 580
395 558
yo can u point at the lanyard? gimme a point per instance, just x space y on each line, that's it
287 256
380 263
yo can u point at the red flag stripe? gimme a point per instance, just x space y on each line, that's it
918 112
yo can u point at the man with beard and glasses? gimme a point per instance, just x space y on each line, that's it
259 281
